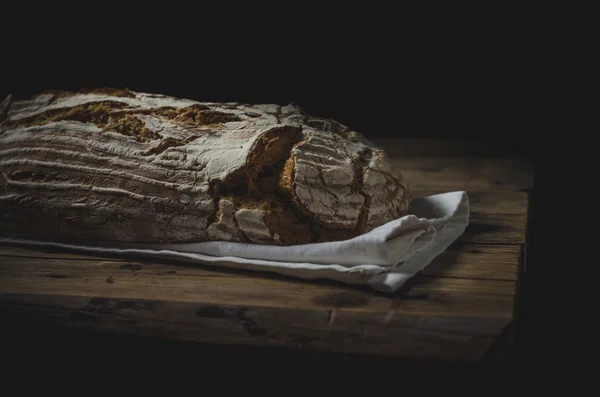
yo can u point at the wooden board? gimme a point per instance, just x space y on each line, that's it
473 174
455 316
436 147
457 309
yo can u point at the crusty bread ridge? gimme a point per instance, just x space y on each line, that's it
121 166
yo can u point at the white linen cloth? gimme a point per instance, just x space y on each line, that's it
384 258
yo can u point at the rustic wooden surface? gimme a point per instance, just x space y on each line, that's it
460 308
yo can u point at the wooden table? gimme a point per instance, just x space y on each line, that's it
461 308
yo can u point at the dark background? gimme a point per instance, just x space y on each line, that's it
479 83
487 82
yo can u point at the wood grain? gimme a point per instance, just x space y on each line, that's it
472 174
149 280
403 146
477 261
454 311
339 331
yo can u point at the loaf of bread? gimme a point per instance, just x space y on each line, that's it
120 166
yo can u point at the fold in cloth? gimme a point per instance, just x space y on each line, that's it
384 258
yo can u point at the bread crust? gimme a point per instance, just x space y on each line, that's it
123 166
